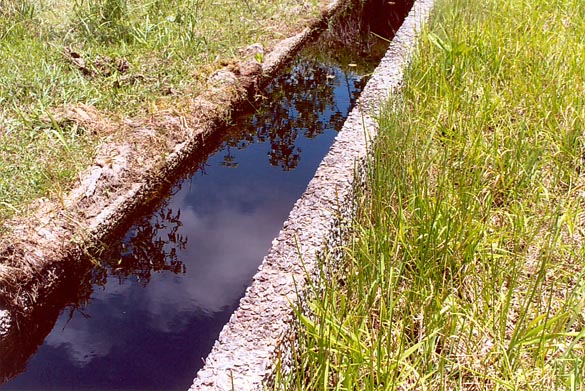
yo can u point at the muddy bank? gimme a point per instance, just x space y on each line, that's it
39 251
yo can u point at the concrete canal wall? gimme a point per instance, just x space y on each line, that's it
259 335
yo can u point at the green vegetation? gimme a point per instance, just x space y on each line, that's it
121 57
466 269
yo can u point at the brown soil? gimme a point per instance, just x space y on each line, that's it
137 157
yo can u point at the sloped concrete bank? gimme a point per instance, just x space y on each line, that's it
260 335
45 246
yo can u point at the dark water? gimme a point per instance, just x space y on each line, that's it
149 315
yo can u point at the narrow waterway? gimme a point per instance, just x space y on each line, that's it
148 316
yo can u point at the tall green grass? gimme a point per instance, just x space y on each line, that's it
466 270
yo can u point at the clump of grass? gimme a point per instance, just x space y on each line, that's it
103 20
467 267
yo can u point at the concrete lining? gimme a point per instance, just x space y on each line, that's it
259 334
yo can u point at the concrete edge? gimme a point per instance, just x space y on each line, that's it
259 336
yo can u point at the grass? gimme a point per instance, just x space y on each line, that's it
124 58
466 270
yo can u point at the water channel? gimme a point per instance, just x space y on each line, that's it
149 315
